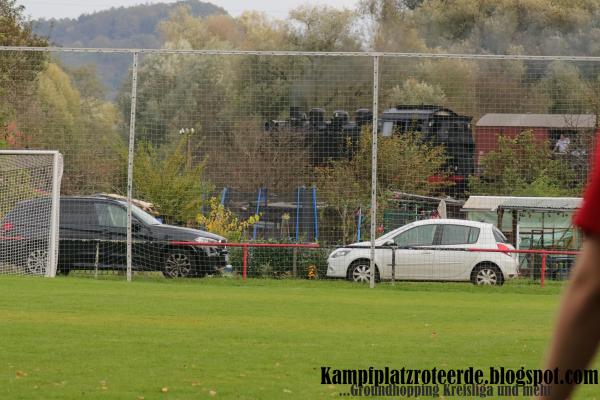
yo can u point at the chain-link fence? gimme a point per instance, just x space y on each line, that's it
279 147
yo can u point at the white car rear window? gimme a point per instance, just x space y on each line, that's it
499 236
459 234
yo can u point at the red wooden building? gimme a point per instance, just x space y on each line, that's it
544 127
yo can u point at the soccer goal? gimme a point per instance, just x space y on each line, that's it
29 211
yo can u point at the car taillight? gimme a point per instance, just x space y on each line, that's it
503 247
7 227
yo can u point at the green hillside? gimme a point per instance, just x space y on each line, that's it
123 27
135 26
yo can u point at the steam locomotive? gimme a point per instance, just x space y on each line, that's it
339 136
327 140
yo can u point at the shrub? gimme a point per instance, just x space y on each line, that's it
222 221
277 262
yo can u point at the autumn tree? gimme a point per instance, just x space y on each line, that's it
16 30
18 69
167 180
54 115
536 27
404 162
322 28
415 92
523 166
251 158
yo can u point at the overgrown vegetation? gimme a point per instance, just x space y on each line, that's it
403 161
45 104
171 181
223 222
522 166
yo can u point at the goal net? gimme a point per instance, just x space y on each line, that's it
29 211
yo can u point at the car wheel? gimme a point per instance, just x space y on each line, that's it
177 265
36 261
487 274
360 271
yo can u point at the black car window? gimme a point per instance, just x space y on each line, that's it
111 215
418 236
443 131
459 234
31 212
77 213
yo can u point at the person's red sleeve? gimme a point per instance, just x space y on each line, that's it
588 217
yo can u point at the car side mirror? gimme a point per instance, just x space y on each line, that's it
389 242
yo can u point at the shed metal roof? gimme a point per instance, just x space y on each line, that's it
542 203
558 121
483 203
492 203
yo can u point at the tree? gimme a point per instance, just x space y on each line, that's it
85 79
54 115
176 189
250 158
322 28
344 191
223 222
392 26
16 30
415 92
18 69
135 27
564 86
533 27
173 94
523 166
404 162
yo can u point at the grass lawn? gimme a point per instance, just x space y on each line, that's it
79 338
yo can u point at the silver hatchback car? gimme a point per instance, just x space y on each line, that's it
432 250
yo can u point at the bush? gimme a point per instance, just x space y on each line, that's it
277 262
222 221
169 181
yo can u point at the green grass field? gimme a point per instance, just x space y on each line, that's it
79 338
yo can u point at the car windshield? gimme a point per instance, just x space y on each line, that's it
142 215
392 234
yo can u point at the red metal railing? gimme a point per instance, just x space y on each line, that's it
246 246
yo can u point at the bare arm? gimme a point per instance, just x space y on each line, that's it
577 330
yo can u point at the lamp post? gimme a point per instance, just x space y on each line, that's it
188 132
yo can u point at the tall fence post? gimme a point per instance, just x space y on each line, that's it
374 168
130 165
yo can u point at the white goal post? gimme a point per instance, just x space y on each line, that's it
29 211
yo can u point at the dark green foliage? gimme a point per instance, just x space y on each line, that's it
524 167
277 262
170 181
17 69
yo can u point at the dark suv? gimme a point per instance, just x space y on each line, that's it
93 235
